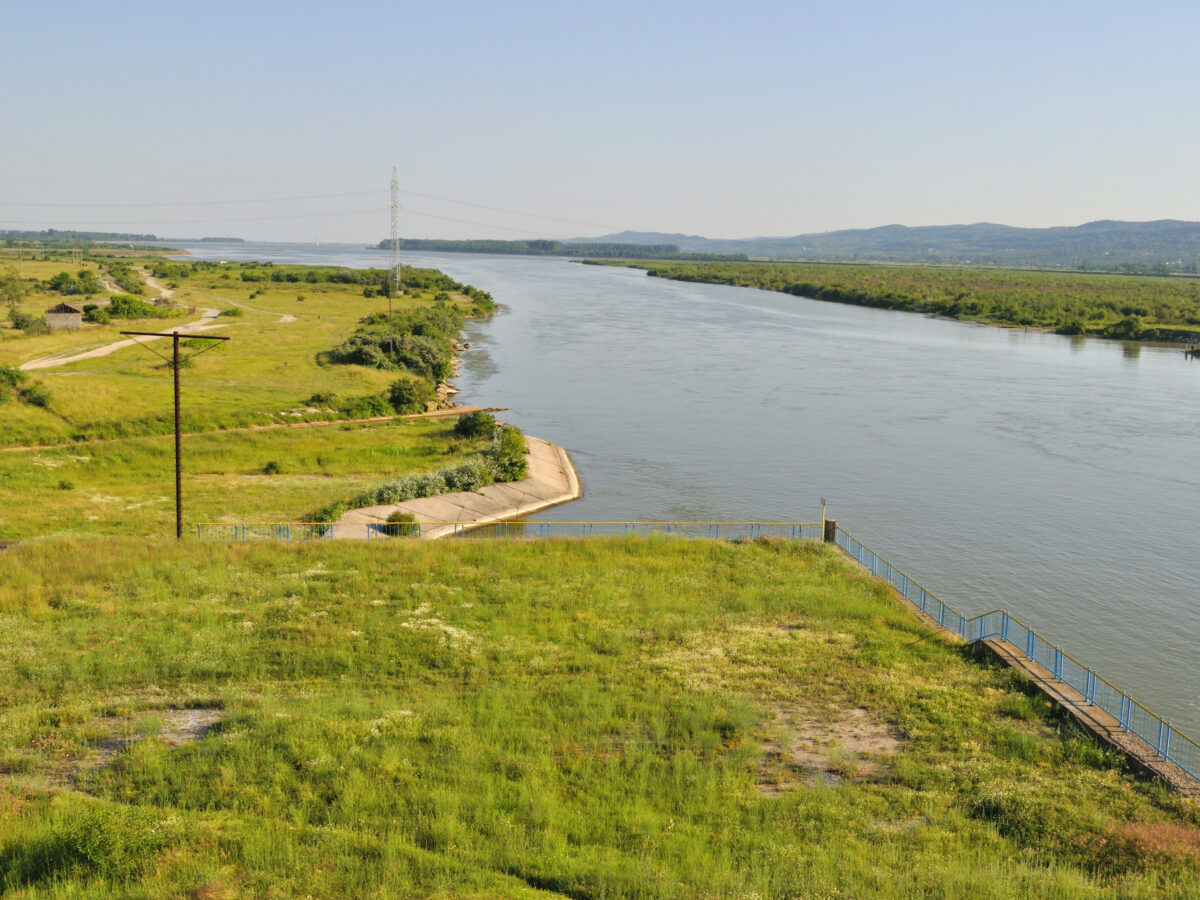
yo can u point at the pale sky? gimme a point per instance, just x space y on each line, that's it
530 119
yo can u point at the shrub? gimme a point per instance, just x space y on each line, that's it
30 323
11 376
507 454
322 398
63 283
469 476
409 395
504 460
366 407
96 314
272 468
36 395
65 485
122 306
234 312
475 424
401 524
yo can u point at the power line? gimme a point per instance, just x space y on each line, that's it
188 202
143 222
514 212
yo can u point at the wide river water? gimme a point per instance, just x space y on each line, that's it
1052 476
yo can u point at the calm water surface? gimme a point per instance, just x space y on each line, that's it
1052 476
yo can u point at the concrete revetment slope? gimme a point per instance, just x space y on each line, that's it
550 480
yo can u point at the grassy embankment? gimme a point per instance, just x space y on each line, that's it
276 361
603 718
1111 306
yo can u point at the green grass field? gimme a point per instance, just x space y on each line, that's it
602 718
265 373
127 486
104 461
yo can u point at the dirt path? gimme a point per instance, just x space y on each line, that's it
55 360
154 284
322 423
284 317
58 359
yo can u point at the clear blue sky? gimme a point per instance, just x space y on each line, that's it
569 119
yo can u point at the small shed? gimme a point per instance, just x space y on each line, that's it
64 316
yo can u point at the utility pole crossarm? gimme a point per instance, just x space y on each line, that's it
207 337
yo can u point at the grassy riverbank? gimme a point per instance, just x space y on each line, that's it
306 343
592 719
128 486
1112 306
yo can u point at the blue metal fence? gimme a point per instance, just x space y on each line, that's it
1167 742
307 531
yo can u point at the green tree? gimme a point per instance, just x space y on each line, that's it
89 282
12 288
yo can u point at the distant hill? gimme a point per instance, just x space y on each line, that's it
1167 245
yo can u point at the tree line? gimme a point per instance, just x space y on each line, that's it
1114 306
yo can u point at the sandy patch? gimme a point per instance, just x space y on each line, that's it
800 749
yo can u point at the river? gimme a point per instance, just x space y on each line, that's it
1055 477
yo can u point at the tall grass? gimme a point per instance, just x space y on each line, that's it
586 718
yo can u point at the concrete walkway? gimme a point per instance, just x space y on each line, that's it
551 480
1104 726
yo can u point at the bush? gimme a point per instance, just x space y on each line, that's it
366 407
234 312
409 395
96 314
11 376
507 454
30 323
272 468
36 395
470 476
504 460
475 424
123 306
65 485
322 398
401 524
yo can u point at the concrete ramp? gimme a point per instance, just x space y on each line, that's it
551 480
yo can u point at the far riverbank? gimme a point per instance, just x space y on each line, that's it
1119 307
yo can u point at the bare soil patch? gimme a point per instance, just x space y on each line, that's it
66 763
803 750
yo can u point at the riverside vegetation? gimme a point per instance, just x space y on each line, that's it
309 343
602 718
1111 306
503 459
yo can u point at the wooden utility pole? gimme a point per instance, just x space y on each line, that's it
174 363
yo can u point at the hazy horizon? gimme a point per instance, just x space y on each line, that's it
282 122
